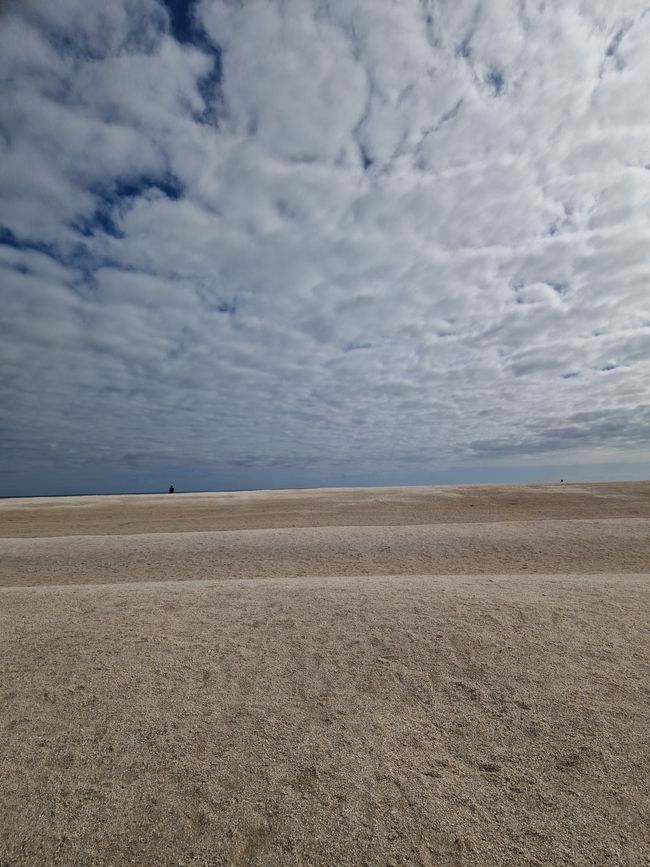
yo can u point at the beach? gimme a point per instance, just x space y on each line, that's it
406 676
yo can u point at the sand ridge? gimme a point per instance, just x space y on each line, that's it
620 544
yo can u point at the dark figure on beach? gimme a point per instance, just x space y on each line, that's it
171 489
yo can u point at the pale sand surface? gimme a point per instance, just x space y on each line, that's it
620 545
335 507
421 694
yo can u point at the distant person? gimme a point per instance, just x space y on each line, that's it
171 489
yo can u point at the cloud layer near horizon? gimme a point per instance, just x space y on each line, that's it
331 234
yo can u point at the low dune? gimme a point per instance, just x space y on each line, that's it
415 676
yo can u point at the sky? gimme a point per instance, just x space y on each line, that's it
295 243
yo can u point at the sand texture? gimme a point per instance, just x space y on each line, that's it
334 507
403 677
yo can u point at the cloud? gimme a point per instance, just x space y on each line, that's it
301 234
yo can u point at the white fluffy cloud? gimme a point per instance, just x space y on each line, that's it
306 234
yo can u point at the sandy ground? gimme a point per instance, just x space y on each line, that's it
334 507
406 677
